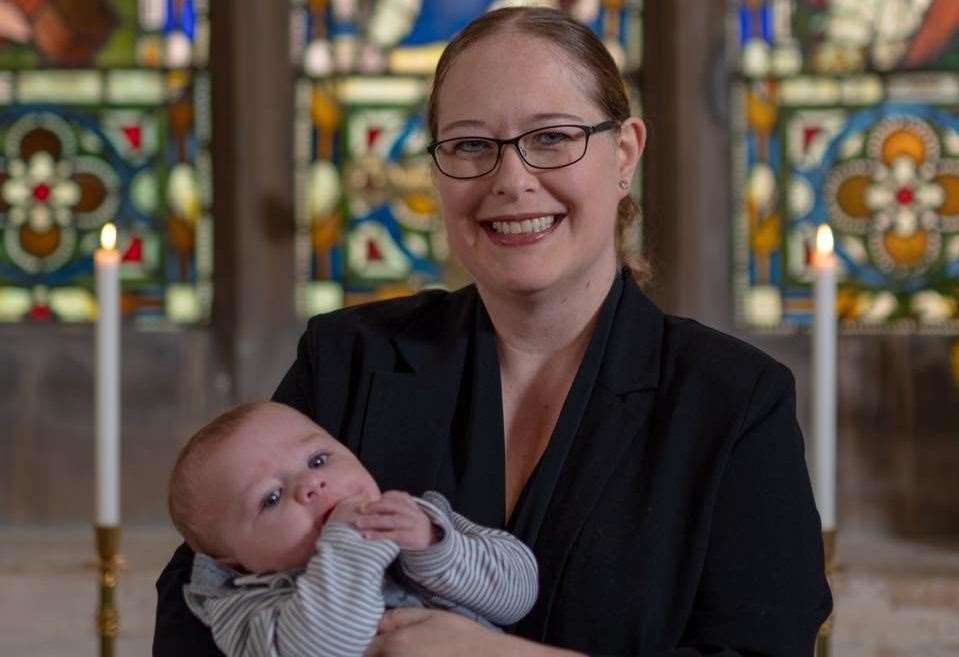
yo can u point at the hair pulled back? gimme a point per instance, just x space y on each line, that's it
583 48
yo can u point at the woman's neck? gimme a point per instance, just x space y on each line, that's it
549 323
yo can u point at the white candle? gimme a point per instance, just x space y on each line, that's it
107 264
824 377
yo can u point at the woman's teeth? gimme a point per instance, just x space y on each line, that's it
537 225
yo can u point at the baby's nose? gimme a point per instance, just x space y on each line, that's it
309 487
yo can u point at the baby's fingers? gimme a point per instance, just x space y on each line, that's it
383 522
392 501
405 538
398 536
347 509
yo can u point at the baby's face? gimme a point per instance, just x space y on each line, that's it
272 484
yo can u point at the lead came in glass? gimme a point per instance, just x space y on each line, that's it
104 116
846 112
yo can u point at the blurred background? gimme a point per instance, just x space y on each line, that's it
264 161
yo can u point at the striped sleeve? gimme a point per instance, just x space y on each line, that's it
333 608
486 570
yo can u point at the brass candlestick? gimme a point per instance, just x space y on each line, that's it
108 618
825 632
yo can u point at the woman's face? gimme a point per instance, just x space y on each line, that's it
500 87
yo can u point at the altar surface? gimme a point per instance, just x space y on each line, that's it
894 597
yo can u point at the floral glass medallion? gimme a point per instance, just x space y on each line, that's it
105 116
847 113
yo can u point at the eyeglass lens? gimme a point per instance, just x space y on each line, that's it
547 148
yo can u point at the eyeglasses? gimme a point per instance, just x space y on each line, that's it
552 147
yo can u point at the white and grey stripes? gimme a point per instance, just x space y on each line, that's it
486 570
335 605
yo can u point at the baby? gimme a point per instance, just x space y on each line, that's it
293 541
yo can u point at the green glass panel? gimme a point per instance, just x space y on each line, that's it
873 155
104 116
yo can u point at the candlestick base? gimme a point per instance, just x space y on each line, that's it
108 618
119 563
825 632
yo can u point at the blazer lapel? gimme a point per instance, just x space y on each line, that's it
617 416
403 437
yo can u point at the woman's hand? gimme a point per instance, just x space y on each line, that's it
418 632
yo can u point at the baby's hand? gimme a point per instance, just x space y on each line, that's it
347 510
396 516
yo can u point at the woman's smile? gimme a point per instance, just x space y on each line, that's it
521 229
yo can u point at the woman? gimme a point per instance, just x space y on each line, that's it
654 466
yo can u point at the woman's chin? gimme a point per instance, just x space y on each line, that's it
526 281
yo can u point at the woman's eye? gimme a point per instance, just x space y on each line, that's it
318 459
550 138
272 498
471 146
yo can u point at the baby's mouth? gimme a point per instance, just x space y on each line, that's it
326 515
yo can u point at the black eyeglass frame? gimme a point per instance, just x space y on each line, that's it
590 130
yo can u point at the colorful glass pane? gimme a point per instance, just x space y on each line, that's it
103 33
874 155
368 224
104 116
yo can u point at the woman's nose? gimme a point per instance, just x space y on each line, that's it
512 175
309 486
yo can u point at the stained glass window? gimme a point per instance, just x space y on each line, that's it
367 222
105 116
846 112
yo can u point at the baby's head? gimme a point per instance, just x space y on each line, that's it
254 487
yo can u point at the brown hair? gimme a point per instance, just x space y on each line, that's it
183 496
608 92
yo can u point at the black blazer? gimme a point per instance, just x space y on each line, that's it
682 522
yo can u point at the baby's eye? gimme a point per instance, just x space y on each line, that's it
272 498
318 459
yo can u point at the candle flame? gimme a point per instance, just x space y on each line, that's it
108 236
824 241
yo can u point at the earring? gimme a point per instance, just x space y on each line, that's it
623 185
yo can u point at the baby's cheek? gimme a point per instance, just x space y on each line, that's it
307 548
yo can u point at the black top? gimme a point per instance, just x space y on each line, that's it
671 513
